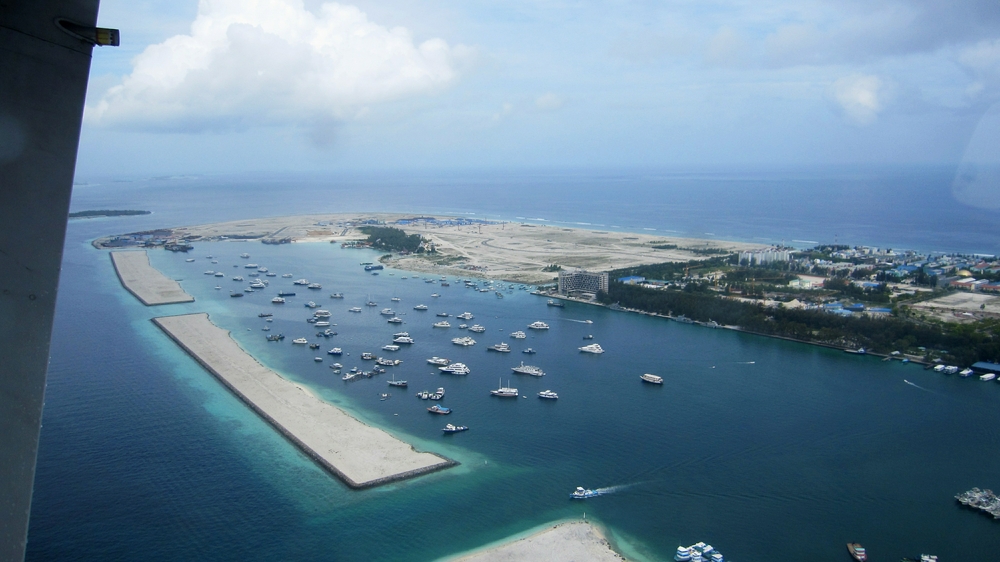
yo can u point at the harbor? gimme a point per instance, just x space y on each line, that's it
151 287
360 455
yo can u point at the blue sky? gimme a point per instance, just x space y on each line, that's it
222 86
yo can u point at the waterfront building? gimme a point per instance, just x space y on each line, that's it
582 281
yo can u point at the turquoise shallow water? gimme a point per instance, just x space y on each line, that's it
749 443
758 446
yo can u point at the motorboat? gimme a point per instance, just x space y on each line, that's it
465 316
314 346
238 278
454 428
455 369
321 324
555 303
588 337
311 304
367 356
403 339
464 341
314 286
322 314
245 255
371 303
286 275
442 324
529 351
435 295
395 320
439 409
683 554
390 347
275 337
300 341
436 395
857 551
592 348
440 361
354 309
394 382
278 300
518 335
401 334
420 307
463 326
336 351
258 285
987 377
523 369
265 315
318 359
395 299
387 312
651 378
501 347
538 325
389 362
300 282
210 272
443 314
477 328
965 372
189 260
504 391
336 295
251 266
581 493
548 394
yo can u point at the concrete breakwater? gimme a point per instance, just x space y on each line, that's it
360 455
147 284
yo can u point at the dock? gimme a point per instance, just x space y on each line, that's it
360 455
145 282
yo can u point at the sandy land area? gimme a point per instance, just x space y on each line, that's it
361 455
145 282
565 542
960 307
511 251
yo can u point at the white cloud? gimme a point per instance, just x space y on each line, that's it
727 48
272 62
859 96
549 102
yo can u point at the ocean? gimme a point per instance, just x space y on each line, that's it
761 447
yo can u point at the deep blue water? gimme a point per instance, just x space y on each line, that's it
756 445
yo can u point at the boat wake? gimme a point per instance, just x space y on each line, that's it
580 321
613 489
918 386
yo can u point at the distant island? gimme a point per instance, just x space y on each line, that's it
105 213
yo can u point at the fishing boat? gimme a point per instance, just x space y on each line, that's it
857 551
439 409
504 391
454 428
651 378
581 493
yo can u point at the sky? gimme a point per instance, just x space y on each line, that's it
221 86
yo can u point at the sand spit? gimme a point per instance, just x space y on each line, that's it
145 282
511 251
565 542
361 455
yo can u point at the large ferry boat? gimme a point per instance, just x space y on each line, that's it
523 369
504 391
857 551
538 325
651 378
455 369
592 348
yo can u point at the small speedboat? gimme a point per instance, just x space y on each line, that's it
580 493
454 428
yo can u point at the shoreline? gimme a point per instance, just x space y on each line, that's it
568 540
360 455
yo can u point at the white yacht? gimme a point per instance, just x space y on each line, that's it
395 299
683 554
311 304
435 295
262 269
322 314
443 314
387 312
440 361
442 324
258 285
250 266
455 369
465 341
505 391
538 325
321 324
395 320
987 377
336 351
477 328
286 275
314 286
518 335
501 347
300 282
390 347
651 378
219 274
300 341
278 300
400 334
403 339
245 255
420 307
354 309
592 348
523 369
965 372
465 316
462 326
210 272
548 394
238 278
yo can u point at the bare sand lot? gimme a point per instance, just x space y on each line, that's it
510 251
361 455
566 542
961 307
145 282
